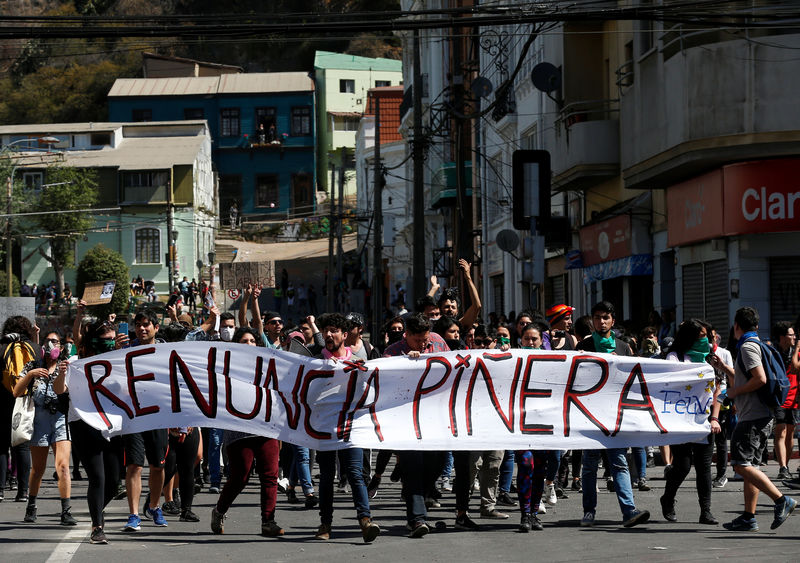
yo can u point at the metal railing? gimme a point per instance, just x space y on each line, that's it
587 110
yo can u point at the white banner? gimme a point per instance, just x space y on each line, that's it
466 400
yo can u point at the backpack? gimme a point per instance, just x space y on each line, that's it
773 393
16 356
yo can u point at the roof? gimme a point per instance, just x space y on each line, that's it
390 99
55 128
253 83
141 153
328 59
345 113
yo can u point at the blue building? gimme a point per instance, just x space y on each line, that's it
262 128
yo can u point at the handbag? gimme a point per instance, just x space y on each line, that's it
22 420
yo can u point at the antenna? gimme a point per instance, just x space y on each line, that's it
546 77
507 241
481 87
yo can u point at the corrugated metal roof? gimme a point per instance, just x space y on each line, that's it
89 127
141 153
328 59
254 83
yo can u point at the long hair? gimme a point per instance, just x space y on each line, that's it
688 332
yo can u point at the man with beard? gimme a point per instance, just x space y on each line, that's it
335 330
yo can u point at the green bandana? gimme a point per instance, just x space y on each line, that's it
699 350
606 345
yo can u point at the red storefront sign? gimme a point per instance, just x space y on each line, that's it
608 240
749 197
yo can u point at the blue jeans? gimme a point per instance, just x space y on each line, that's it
506 472
448 465
639 457
622 480
301 470
351 461
553 458
215 445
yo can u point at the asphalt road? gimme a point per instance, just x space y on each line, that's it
561 540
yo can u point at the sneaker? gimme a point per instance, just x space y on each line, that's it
577 485
418 529
741 524
707 518
121 492
369 529
668 510
792 484
783 508
504 499
550 495
588 520
98 536
283 485
22 496
784 473
134 524
372 488
525 523
217 521
464 522
311 501
651 461
431 502
67 519
542 508
291 497
637 517
157 515
271 529
30 513
214 490
494 514
643 486
323 532
169 507
446 485
560 493
341 487
610 485
536 524
719 482
188 516
2 495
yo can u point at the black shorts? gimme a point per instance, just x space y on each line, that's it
152 444
786 416
749 440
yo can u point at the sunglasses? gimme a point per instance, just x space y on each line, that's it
483 341
53 340
275 322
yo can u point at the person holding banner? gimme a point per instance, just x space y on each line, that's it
245 452
335 328
419 469
691 345
49 428
603 340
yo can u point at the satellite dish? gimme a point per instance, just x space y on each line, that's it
546 77
507 240
481 87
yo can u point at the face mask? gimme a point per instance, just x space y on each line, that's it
395 336
52 350
453 344
71 350
502 341
226 333
103 345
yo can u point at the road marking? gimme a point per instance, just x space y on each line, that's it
66 549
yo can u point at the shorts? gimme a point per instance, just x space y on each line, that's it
786 416
48 428
749 440
152 444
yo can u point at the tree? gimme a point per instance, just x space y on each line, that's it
4 287
101 264
66 192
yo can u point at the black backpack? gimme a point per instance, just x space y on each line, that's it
773 393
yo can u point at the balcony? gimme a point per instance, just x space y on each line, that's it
143 195
587 144
444 185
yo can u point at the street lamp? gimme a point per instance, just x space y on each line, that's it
9 193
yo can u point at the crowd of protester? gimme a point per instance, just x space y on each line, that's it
184 461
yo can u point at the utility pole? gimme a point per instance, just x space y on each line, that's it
377 283
339 221
331 223
9 245
419 188
171 254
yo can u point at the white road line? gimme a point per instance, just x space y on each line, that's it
72 540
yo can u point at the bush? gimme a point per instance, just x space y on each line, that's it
101 264
4 286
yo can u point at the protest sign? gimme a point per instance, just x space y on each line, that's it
99 293
239 274
467 400
22 306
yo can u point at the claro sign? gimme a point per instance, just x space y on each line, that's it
744 198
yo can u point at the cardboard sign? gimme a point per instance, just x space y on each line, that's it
99 293
239 274
22 306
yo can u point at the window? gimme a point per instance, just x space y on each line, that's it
346 124
301 120
100 139
142 115
347 86
144 186
382 83
148 245
267 191
266 125
194 113
33 180
229 122
230 192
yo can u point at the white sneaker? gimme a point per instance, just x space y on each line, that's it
542 508
550 495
